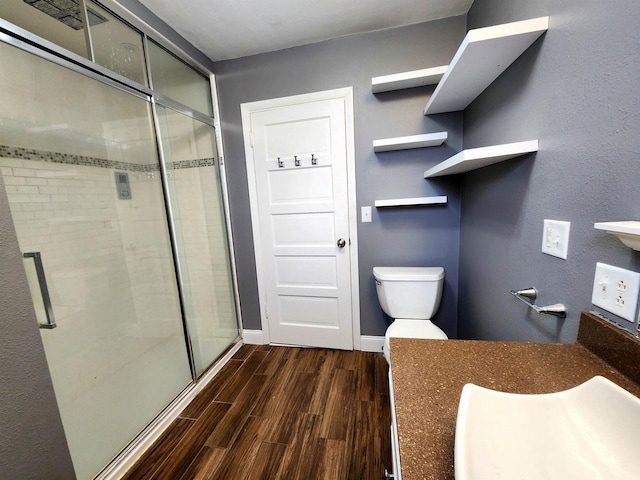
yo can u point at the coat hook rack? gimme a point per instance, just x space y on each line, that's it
529 295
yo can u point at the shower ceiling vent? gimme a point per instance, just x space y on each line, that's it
67 12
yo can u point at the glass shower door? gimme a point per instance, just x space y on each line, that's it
193 179
79 161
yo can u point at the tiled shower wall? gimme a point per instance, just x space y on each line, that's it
107 263
118 355
110 273
107 260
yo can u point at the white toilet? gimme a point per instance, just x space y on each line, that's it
411 296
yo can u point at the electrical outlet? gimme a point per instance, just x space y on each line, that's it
616 290
555 238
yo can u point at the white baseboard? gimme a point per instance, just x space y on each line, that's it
254 337
369 343
128 457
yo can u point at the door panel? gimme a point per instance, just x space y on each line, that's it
299 161
296 137
320 312
313 229
303 185
304 272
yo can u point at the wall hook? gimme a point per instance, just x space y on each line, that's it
297 162
280 163
314 160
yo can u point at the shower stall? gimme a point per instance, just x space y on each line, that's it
116 192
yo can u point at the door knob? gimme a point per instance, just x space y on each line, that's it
341 243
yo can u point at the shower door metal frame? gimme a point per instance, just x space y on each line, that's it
35 45
20 38
174 242
163 101
12 35
169 211
189 390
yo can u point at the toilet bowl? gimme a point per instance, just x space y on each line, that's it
411 296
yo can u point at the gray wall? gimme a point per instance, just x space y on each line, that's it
399 237
32 441
577 91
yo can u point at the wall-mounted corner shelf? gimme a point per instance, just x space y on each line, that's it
413 141
482 57
411 202
627 232
415 78
475 158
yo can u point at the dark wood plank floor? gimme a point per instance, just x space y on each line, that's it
281 413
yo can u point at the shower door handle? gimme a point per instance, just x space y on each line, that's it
44 290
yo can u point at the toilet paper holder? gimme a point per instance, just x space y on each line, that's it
529 295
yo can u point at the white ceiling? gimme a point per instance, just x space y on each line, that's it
225 29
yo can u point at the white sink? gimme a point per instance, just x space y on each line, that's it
591 431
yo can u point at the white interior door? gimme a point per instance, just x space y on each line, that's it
300 195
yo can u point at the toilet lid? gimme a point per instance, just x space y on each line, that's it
407 328
409 274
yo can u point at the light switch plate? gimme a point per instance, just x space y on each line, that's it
616 290
365 213
555 238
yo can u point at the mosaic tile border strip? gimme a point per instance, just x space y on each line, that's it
203 162
21 153
7 151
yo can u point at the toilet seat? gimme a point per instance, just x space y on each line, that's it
411 328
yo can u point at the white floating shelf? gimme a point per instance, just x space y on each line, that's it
474 158
627 232
411 202
483 55
413 141
416 78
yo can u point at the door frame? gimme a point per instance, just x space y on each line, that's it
249 108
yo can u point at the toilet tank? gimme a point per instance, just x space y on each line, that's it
409 292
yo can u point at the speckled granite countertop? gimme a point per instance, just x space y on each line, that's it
428 377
